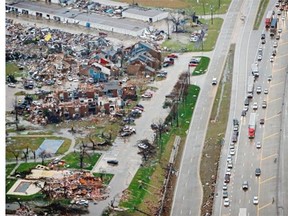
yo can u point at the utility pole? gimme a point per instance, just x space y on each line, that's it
211 8
203 8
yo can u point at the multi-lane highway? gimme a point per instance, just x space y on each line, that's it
267 186
188 194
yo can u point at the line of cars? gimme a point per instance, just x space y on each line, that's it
229 159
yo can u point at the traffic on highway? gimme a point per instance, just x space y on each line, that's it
248 182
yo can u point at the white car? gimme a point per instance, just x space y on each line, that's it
142 146
255 200
226 202
258 145
194 38
229 158
265 91
275 44
258 89
232 151
272 59
228 171
230 165
279 30
214 81
225 186
11 85
255 106
259 57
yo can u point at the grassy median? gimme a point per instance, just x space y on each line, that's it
215 135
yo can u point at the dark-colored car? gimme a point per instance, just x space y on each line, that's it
245 185
235 122
243 113
227 178
225 194
112 162
166 64
263 36
262 121
257 172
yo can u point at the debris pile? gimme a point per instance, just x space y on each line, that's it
75 185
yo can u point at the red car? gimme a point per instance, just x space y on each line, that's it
172 55
192 64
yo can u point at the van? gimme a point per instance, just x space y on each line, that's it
246 102
234 138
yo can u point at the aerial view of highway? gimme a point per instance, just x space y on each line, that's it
146 107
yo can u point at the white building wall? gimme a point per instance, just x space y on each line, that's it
135 16
92 25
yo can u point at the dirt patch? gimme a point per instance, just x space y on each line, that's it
215 135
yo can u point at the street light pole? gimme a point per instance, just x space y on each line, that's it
211 8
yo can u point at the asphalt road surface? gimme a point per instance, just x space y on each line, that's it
247 157
125 150
188 194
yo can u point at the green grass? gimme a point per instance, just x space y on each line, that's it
9 183
154 173
73 160
64 147
215 134
201 68
137 189
106 177
208 44
27 166
20 143
13 69
261 10
20 93
14 198
187 5
9 168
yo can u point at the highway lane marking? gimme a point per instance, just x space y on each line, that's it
280 98
276 84
264 206
278 70
273 117
270 156
281 56
270 135
266 180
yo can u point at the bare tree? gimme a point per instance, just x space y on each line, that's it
82 153
94 145
43 155
16 154
34 154
26 153
177 21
